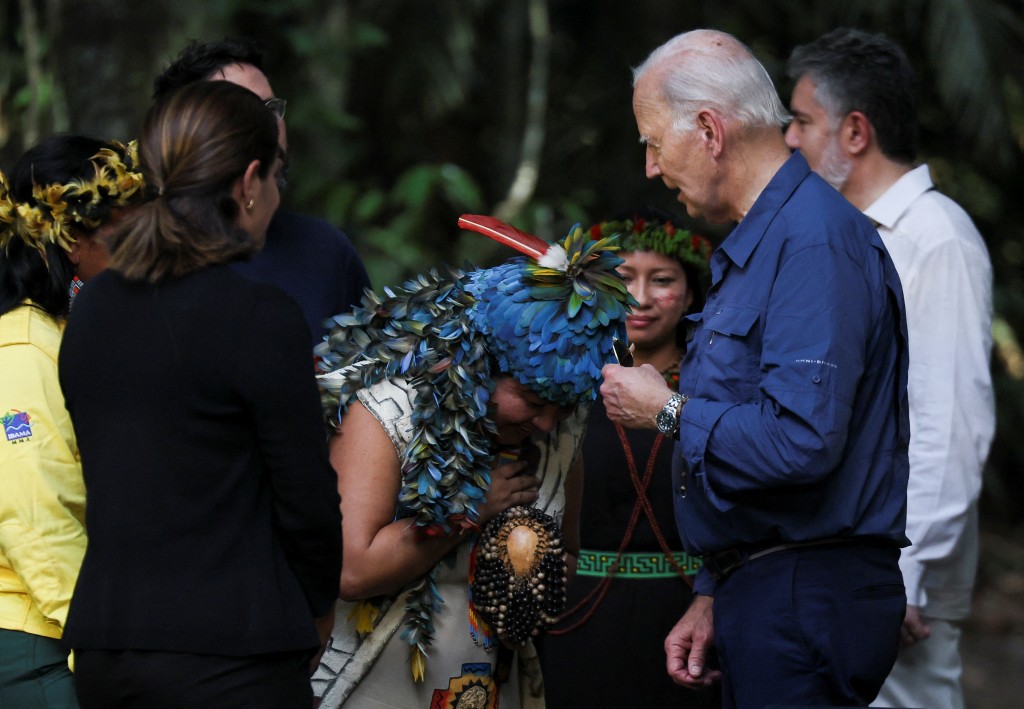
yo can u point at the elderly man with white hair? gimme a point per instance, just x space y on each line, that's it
790 470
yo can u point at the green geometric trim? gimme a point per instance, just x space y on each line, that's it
636 565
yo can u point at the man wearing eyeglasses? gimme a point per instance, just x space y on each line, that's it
309 259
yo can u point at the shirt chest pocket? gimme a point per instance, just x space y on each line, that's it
732 349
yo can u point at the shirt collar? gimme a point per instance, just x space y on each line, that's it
740 244
887 209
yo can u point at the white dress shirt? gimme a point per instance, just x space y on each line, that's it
947 283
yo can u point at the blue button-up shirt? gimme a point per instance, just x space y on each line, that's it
797 425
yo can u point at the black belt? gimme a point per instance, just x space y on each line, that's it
722 563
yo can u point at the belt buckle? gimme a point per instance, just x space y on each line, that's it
723 563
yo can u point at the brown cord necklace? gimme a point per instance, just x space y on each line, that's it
642 503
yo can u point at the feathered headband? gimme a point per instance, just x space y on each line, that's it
550 319
547 319
116 182
660 236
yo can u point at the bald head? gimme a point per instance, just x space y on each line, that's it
710 42
711 120
713 69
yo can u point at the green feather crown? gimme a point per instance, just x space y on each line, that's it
663 237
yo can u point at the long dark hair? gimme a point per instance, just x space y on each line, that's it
24 272
195 143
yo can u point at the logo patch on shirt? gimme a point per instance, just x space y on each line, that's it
17 425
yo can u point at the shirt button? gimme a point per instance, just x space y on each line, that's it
816 379
682 490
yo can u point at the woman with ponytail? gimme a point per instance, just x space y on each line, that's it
214 525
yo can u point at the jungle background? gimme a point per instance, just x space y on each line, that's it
403 114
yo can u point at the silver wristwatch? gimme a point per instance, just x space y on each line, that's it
667 419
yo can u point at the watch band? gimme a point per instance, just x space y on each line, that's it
667 419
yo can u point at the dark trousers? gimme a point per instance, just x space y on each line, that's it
812 626
34 672
139 679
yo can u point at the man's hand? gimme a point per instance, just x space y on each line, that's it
687 645
633 396
914 629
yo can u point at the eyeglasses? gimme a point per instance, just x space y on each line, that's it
277 105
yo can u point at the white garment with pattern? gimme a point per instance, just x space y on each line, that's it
375 673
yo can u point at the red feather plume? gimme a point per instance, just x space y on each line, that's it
532 246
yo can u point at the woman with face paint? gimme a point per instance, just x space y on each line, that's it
631 565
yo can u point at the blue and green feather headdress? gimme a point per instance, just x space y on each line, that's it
550 323
547 319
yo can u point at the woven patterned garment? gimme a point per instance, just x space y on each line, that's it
358 672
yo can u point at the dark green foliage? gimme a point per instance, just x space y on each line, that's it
403 114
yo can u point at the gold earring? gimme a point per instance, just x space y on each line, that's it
248 207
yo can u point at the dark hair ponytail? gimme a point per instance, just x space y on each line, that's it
195 144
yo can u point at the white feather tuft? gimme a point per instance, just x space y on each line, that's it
555 257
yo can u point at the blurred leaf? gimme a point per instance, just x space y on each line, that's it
365 35
415 185
338 206
368 205
460 188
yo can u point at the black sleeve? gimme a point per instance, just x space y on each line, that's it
351 279
282 394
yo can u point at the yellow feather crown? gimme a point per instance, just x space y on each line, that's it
116 182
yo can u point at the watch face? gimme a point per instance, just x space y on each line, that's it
667 419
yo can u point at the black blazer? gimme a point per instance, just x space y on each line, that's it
211 507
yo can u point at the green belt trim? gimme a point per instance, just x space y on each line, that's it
635 565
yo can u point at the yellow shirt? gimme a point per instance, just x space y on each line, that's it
42 495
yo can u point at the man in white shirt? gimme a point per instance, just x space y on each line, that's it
854 110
